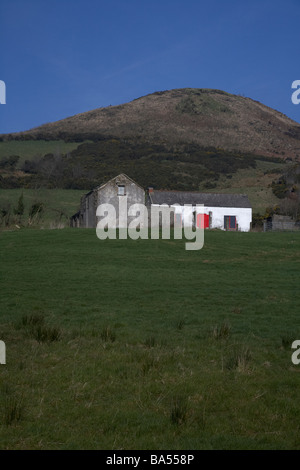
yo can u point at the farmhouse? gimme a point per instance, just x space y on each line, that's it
223 211
108 193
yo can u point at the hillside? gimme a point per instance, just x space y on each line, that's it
209 118
186 139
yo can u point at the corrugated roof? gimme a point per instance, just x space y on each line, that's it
208 199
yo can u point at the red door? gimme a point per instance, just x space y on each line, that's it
203 220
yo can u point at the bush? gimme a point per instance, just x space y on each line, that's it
280 188
257 220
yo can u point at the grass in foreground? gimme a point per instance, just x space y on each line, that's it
143 345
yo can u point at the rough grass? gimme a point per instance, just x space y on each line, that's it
255 182
136 365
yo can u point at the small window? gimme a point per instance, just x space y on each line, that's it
121 190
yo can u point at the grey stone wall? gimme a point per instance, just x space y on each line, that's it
108 194
280 222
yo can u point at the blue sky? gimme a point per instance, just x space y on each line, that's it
60 58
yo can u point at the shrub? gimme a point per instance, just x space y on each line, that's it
280 188
36 211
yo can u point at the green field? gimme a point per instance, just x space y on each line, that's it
58 205
144 345
27 150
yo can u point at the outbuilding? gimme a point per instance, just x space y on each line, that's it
107 193
222 211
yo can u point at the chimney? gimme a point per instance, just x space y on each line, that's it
150 190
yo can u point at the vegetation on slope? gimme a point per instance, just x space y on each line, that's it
182 166
209 118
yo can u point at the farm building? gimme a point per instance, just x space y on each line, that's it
223 211
108 193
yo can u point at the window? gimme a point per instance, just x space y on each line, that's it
230 222
121 190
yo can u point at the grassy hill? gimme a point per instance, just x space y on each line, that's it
209 118
185 139
140 344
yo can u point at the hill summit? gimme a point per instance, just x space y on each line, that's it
205 117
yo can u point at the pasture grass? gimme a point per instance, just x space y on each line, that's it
149 346
58 205
29 149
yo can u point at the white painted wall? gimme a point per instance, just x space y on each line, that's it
243 215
